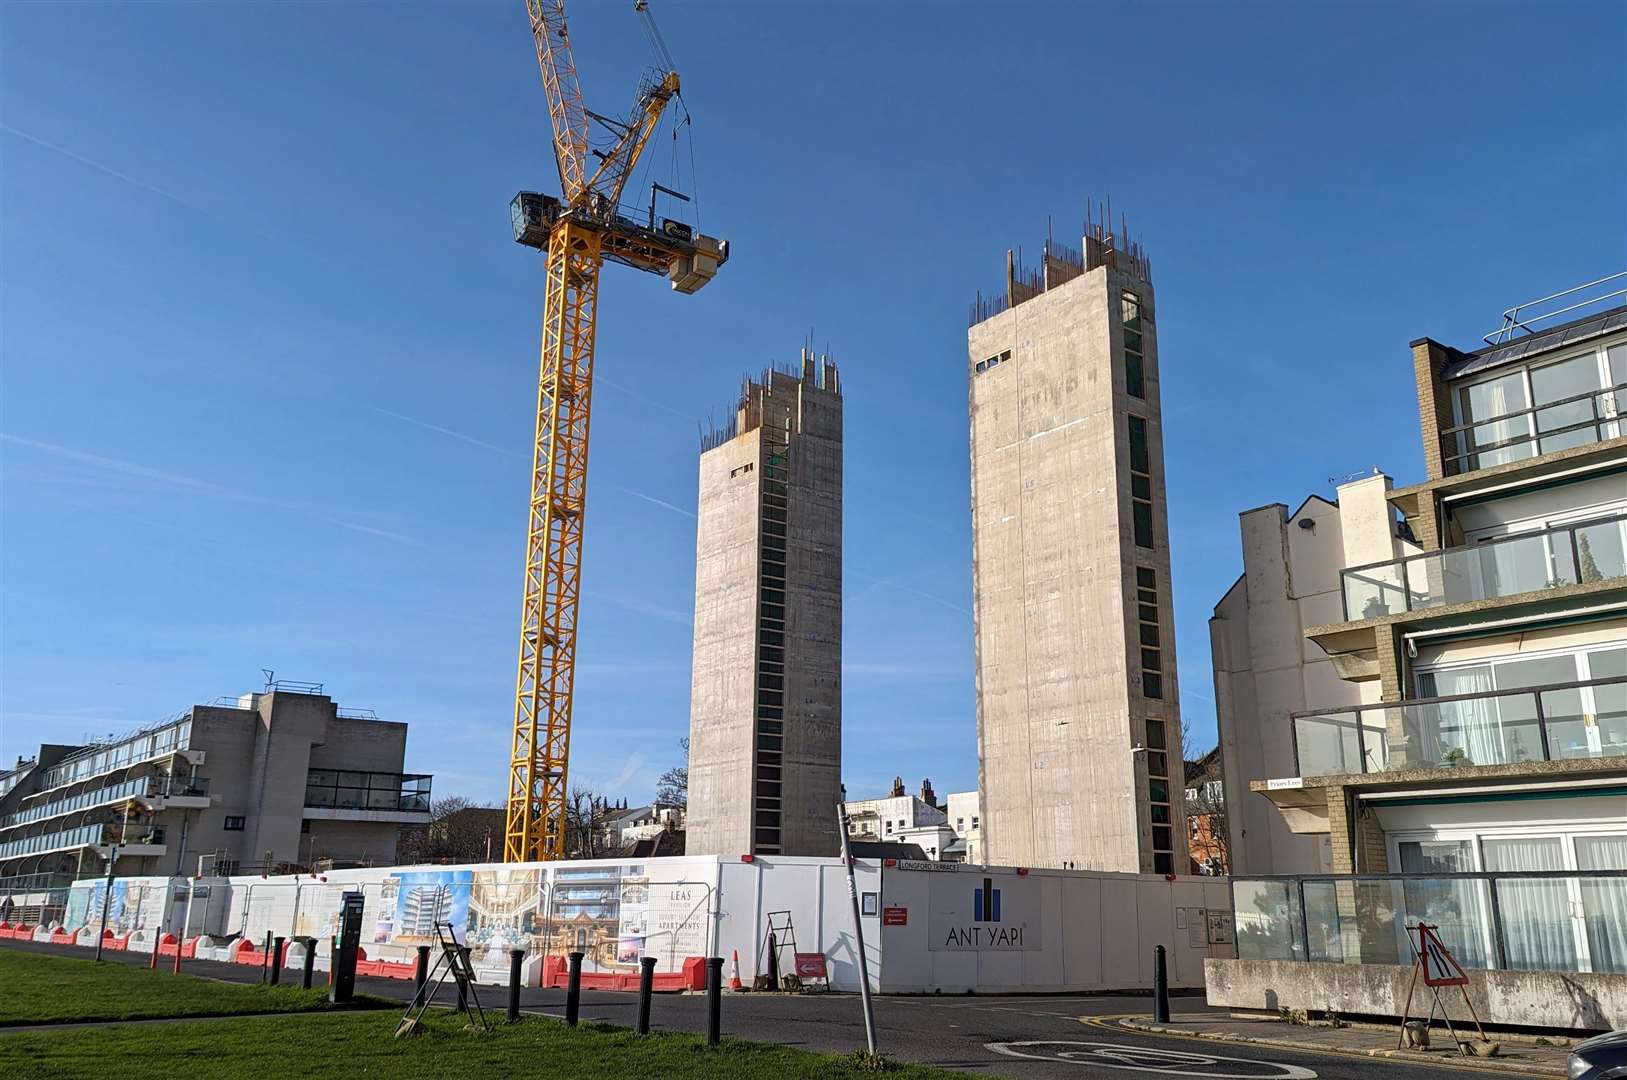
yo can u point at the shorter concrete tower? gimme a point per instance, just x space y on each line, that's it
765 715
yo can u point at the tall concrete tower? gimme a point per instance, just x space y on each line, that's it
765 713
1078 722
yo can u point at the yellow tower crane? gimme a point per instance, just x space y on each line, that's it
579 230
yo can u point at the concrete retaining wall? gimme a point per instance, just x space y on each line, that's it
1544 999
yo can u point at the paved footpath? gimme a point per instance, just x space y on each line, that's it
1072 1037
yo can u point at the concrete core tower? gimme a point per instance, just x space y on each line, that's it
765 719
1077 713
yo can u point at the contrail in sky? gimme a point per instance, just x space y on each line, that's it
445 431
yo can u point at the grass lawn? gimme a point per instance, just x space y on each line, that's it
345 1046
42 989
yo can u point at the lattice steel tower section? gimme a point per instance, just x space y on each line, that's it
579 230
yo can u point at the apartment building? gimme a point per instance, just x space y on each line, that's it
765 719
1078 713
281 778
1433 679
902 818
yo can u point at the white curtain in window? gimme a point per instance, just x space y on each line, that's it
1468 726
1455 906
1536 917
1604 901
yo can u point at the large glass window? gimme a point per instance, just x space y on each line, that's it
1573 423
1604 901
1536 916
1452 905
1498 440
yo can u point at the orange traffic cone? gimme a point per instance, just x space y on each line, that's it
734 979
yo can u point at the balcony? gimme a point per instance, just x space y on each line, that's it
135 841
1592 416
388 792
154 742
143 787
1583 553
1559 722
1566 921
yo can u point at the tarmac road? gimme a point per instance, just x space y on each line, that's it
1029 1037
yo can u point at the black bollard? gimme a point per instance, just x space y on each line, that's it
310 963
420 973
714 1000
646 984
333 958
265 956
1160 987
276 959
773 962
573 990
516 957
463 991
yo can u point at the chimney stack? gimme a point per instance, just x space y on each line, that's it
927 795
898 788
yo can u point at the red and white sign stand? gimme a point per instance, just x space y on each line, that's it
1439 967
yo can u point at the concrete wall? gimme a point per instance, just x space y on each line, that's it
1265 669
727 730
1060 702
725 654
1546 999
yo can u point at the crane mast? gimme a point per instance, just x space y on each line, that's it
578 231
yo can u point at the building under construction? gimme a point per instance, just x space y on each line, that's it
1077 714
765 720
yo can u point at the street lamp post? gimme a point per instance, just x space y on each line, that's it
112 856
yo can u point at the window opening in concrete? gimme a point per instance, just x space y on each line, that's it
1130 314
234 823
1140 483
1152 660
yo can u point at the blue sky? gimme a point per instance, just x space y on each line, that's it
269 352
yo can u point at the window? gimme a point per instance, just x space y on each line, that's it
974 822
1163 862
741 470
1529 411
305 825
1140 483
234 824
993 361
1130 314
1152 659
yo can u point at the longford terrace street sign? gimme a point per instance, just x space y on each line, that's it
985 913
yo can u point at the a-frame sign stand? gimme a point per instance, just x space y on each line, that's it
453 961
1439 968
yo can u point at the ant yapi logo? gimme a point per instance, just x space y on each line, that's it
986 903
984 931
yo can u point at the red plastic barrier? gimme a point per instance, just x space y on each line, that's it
556 974
59 937
166 947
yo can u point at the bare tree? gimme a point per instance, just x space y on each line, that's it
459 830
672 789
585 814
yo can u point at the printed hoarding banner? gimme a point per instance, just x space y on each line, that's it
985 913
424 898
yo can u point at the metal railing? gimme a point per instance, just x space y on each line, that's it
1513 324
353 790
1554 722
1524 562
142 787
98 758
1461 452
95 835
1559 920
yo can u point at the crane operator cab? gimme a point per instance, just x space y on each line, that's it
689 259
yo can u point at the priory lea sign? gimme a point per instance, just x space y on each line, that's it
984 913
